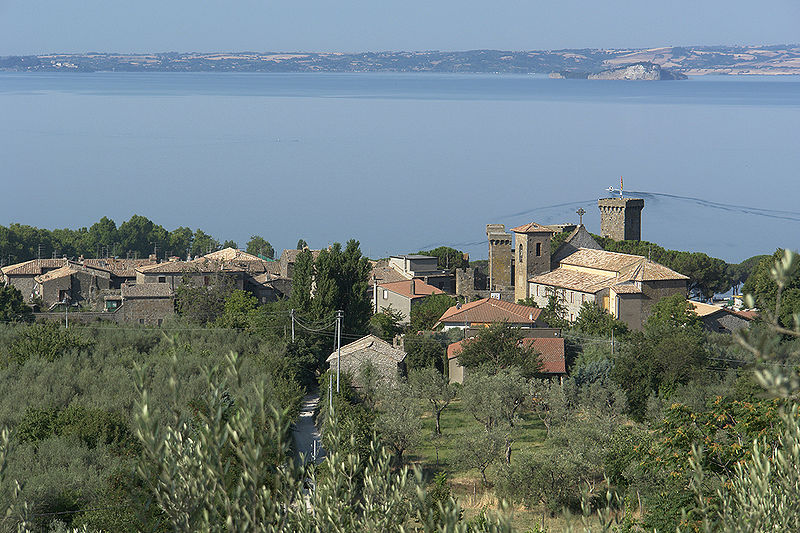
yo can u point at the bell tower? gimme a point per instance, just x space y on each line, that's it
532 255
499 256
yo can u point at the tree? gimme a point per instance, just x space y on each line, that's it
203 304
761 285
399 423
499 347
549 403
180 241
12 305
230 244
202 243
479 449
258 245
431 386
302 244
448 258
424 351
388 323
594 320
238 310
341 281
302 280
427 312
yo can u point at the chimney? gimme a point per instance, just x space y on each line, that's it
412 287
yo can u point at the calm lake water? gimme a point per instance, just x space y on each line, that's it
402 161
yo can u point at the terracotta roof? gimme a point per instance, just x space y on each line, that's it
403 288
68 270
704 309
575 280
633 267
374 344
119 267
747 314
626 288
229 254
550 349
147 290
34 267
64 271
532 227
489 310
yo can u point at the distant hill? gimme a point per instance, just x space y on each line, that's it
690 61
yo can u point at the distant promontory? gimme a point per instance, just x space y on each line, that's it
600 63
644 71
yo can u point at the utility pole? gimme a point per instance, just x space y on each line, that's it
612 341
292 325
339 315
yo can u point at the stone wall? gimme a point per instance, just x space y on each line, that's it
146 311
621 218
532 258
500 253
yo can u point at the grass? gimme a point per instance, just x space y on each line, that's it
465 483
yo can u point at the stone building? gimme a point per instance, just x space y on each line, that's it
72 284
500 257
388 361
621 218
22 275
532 255
721 319
148 304
625 285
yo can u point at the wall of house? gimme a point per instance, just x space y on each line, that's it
455 370
146 311
629 309
51 291
352 364
573 300
724 322
24 284
499 256
397 301
655 290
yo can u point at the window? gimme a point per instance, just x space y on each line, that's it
206 281
141 321
520 252
160 321
538 249
571 296
385 294
537 290
162 279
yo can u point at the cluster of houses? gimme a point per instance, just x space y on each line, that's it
521 266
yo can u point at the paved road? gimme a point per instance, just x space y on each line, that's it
306 435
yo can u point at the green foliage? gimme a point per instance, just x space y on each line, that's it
424 351
203 304
12 306
554 313
707 275
398 423
259 246
203 243
499 347
594 320
763 287
427 312
302 244
238 310
388 323
432 387
448 258
47 341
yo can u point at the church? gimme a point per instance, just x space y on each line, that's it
579 270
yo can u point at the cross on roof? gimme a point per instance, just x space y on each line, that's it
581 212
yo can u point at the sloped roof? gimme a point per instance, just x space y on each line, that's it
383 273
374 344
550 349
532 227
575 280
147 290
633 267
201 265
232 254
291 255
489 310
579 238
70 269
403 288
118 267
33 268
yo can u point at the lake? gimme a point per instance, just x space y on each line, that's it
402 162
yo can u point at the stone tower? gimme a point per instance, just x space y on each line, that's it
532 255
499 256
621 218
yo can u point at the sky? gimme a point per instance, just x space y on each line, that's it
45 26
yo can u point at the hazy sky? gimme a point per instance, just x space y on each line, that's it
40 26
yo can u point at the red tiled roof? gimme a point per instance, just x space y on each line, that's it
532 227
747 315
550 349
403 288
490 310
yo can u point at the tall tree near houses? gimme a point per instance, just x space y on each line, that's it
258 245
302 280
341 282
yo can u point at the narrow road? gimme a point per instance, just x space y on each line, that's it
307 439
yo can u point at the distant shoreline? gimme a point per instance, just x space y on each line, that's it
773 60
